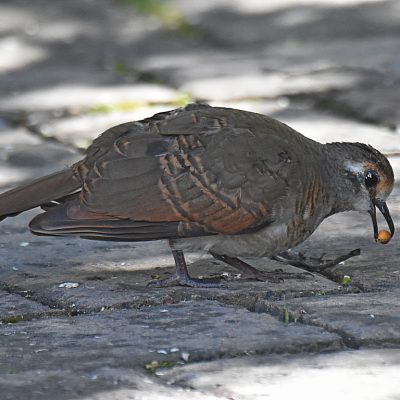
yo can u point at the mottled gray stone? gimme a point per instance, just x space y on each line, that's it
296 22
10 138
15 308
374 100
79 54
325 127
310 62
348 375
82 129
24 156
266 85
79 42
74 97
70 354
362 320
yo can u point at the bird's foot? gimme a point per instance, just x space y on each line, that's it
312 264
181 276
248 272
186 280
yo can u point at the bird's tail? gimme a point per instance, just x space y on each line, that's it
39 192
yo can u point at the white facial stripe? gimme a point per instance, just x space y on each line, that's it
356 168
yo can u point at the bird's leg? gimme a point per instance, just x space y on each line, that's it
312 264
251 273
181 276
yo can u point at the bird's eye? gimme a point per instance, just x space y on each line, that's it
371 179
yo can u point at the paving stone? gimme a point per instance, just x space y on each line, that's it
348 375
17 53
51 44
76 97
24 156
259 6
42 355
9 138
106 383
373 100
82 129
325 127
297 22
343 59
265 106
81 53
280 36
348 54
269 85
15 308
367 319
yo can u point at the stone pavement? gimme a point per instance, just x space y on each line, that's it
77 320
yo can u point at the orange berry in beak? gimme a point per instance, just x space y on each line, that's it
383 237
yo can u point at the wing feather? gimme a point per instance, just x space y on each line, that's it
200 167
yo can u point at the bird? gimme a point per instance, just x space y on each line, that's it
229 182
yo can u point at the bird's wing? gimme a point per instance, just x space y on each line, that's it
201 170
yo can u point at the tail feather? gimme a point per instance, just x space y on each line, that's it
58 221
38 192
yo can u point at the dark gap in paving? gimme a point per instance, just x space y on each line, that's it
278 311
32 122
361 320
330 101
32 296
239 298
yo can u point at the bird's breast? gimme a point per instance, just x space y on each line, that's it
265 242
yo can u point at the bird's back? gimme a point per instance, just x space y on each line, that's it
196 171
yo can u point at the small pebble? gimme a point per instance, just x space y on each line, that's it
185 356
41 350
68 285
160 372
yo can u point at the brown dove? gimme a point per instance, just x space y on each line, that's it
231 182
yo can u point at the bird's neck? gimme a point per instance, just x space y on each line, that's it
340 184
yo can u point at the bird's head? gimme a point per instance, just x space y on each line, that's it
369 180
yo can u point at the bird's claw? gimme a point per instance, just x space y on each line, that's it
248 272
313 264
179 280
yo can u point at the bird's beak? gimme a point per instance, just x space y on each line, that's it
383 208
